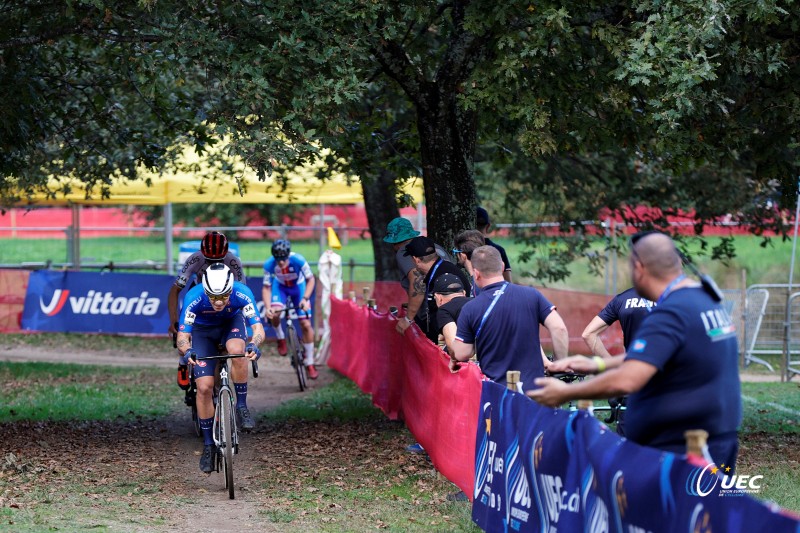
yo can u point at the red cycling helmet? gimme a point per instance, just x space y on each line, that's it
214 246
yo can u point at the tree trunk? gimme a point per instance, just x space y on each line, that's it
380 203
447 146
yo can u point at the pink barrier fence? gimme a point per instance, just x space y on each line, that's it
409 379
13 285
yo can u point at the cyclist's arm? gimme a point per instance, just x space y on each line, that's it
591 336
258 333
266 298
172 306
310 284
558 333
184 342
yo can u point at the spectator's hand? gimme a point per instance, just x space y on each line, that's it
551 392
455 366
252 352
402 325
189 357
575 363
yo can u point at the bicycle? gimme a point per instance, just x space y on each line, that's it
225 428
615 405
295 348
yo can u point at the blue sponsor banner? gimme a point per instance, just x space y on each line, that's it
97 302
109 302
547 470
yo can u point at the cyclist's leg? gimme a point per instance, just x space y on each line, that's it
278 303
235 344
306 325
205 344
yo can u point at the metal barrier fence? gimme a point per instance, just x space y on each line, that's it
772 326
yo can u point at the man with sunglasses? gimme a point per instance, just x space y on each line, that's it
217 313
399 233
483 224
422 250
465 243
681 369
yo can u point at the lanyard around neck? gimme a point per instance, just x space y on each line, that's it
497 296
668 290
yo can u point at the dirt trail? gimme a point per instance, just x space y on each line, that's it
171 449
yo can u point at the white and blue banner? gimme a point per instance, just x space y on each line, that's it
548 470
97 302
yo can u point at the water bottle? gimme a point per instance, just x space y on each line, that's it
183 377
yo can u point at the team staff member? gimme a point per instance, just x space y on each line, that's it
502 324
630 309
465 242
213 249
288 275
422 251
681 370
217 312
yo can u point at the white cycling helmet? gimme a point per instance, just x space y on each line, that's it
218 280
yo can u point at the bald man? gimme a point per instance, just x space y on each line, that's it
681 369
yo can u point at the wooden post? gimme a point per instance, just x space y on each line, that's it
586 405
371 303
352 296
696 440
512 379
366 294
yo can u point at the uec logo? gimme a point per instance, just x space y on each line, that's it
702 481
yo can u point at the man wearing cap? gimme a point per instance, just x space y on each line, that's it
502 324
422 250
399 233
482 224
450 297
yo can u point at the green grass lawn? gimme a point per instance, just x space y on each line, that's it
761 264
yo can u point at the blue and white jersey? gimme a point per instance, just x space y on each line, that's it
296 271
198 311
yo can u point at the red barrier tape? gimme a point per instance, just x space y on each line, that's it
408 378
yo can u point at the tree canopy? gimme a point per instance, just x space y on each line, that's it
598 106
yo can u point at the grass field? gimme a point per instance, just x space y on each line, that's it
768 264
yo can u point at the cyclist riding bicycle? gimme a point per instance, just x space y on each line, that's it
215 313
213 249
291 276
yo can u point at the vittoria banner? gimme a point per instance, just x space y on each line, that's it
546 470
96 302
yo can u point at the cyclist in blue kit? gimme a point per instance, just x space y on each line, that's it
217 312
681 370
288 275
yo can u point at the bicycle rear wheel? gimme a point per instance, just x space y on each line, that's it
226 437
296 352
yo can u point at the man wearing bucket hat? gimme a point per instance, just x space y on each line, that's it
399 233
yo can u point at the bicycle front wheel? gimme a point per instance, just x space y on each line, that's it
225 404
296 352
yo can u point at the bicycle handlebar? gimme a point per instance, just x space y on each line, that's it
567 377
229 356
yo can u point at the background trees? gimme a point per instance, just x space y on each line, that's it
578 108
